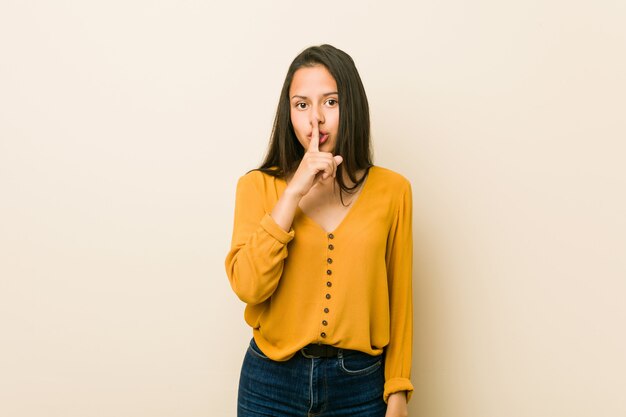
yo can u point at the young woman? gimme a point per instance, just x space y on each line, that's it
322 256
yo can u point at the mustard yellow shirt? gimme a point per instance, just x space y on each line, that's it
349 288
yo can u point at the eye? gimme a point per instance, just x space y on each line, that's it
331 102
301 105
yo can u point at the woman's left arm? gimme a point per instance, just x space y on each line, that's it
399 261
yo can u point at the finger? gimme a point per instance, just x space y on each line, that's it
314 145
326 162
323 167
323 161
332 169
338 160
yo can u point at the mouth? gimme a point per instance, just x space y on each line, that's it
323 137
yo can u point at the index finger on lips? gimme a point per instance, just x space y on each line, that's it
314 145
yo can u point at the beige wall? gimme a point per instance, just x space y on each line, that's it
124 126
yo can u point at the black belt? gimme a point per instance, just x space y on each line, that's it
320 351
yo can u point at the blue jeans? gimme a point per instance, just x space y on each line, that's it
350 384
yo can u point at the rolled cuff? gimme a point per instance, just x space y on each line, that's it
269 225
394 385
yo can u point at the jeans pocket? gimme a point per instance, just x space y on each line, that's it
359 363
255 350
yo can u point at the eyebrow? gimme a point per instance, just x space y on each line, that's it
323 95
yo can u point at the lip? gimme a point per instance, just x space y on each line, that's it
322 133
323 137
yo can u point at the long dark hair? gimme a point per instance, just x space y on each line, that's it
353 137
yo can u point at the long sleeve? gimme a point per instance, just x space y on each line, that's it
255 261
399 261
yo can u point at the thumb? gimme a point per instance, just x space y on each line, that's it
338 159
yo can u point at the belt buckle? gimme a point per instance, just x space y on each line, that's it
306 354
321 351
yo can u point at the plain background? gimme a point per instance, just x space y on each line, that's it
124 126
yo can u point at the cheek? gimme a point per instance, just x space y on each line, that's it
297 122
334 116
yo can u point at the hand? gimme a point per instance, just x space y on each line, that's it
396 405
315 166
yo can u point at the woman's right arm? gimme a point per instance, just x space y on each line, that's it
314 167
255 261
259 244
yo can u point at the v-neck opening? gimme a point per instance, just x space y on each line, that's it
347 215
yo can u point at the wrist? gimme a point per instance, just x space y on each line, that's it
291 194
397 396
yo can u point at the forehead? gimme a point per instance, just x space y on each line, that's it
315 79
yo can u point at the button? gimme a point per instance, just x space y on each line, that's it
323 334
328 296
324 322
331 247
329 272
331 236
329 260
329 284
326 310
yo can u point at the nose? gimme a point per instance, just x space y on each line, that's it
317 114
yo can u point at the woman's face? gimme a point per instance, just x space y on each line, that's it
313 96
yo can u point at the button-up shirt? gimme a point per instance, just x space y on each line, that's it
349 287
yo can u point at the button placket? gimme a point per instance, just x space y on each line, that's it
329 284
